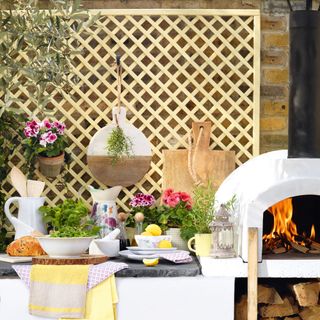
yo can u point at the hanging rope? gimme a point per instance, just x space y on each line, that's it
119 86
192 158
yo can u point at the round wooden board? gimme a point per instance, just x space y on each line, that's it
84 259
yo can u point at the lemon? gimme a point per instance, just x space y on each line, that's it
151 262
165 244
146 233
154 229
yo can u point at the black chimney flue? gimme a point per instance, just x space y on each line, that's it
304 85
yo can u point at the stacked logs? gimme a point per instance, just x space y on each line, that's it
301 304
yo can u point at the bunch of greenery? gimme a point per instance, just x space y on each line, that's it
202 213
11 136
46 40
118 145
69 219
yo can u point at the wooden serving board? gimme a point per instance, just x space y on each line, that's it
84 259
210 165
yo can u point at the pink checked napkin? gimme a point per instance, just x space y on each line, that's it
177 257
97 273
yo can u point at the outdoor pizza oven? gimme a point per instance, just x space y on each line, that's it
279 192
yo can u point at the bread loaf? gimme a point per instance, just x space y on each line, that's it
25 247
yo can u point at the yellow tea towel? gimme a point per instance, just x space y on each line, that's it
58 291
101 301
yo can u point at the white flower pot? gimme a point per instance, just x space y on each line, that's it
177 241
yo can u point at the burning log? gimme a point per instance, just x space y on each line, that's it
241 308
279 250
279 310
307 294
299 247
315 245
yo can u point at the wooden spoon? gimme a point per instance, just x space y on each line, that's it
19 181
35 188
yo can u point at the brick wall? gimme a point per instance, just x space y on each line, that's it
274 55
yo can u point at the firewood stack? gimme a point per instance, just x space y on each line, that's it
302 304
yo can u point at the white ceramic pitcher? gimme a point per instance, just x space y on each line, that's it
104 209
29 218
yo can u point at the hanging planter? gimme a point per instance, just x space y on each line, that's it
119 154
51 166
45 141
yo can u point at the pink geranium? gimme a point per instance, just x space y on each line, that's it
142 200
172 199
45 134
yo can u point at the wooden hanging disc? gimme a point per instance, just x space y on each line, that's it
83 259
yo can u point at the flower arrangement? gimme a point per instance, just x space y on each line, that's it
172 199
142 200
144 203
46 138
175 208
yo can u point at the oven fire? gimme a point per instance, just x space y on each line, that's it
284 236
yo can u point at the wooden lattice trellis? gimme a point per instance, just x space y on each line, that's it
179 66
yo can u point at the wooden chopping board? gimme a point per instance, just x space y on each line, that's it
84 259
210 165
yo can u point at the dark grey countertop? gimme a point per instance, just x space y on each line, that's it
136 269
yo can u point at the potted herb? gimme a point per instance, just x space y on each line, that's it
175 209
46 141
71 228
196 225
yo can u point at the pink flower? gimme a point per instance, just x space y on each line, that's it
167 192
29 132
33 128
59 126
44 139
185 197
46 124
52 137
173 199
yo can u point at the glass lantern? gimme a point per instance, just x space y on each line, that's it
222 235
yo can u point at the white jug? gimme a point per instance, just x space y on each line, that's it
29 218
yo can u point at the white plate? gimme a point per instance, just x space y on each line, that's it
129 255
151 250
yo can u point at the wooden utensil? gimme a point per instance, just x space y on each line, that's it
35 188
208 165
19 181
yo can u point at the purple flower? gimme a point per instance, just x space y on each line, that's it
46 124
59 126
142 200
29 132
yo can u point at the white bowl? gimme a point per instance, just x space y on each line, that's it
150 241
64 247
110 248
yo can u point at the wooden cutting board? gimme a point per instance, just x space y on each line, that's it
84 259
210 165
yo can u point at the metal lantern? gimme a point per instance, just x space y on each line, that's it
222 235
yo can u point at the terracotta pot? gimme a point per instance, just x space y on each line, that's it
51 166
177 241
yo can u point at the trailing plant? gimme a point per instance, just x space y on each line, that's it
69 219
11 135
202 213
118 145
